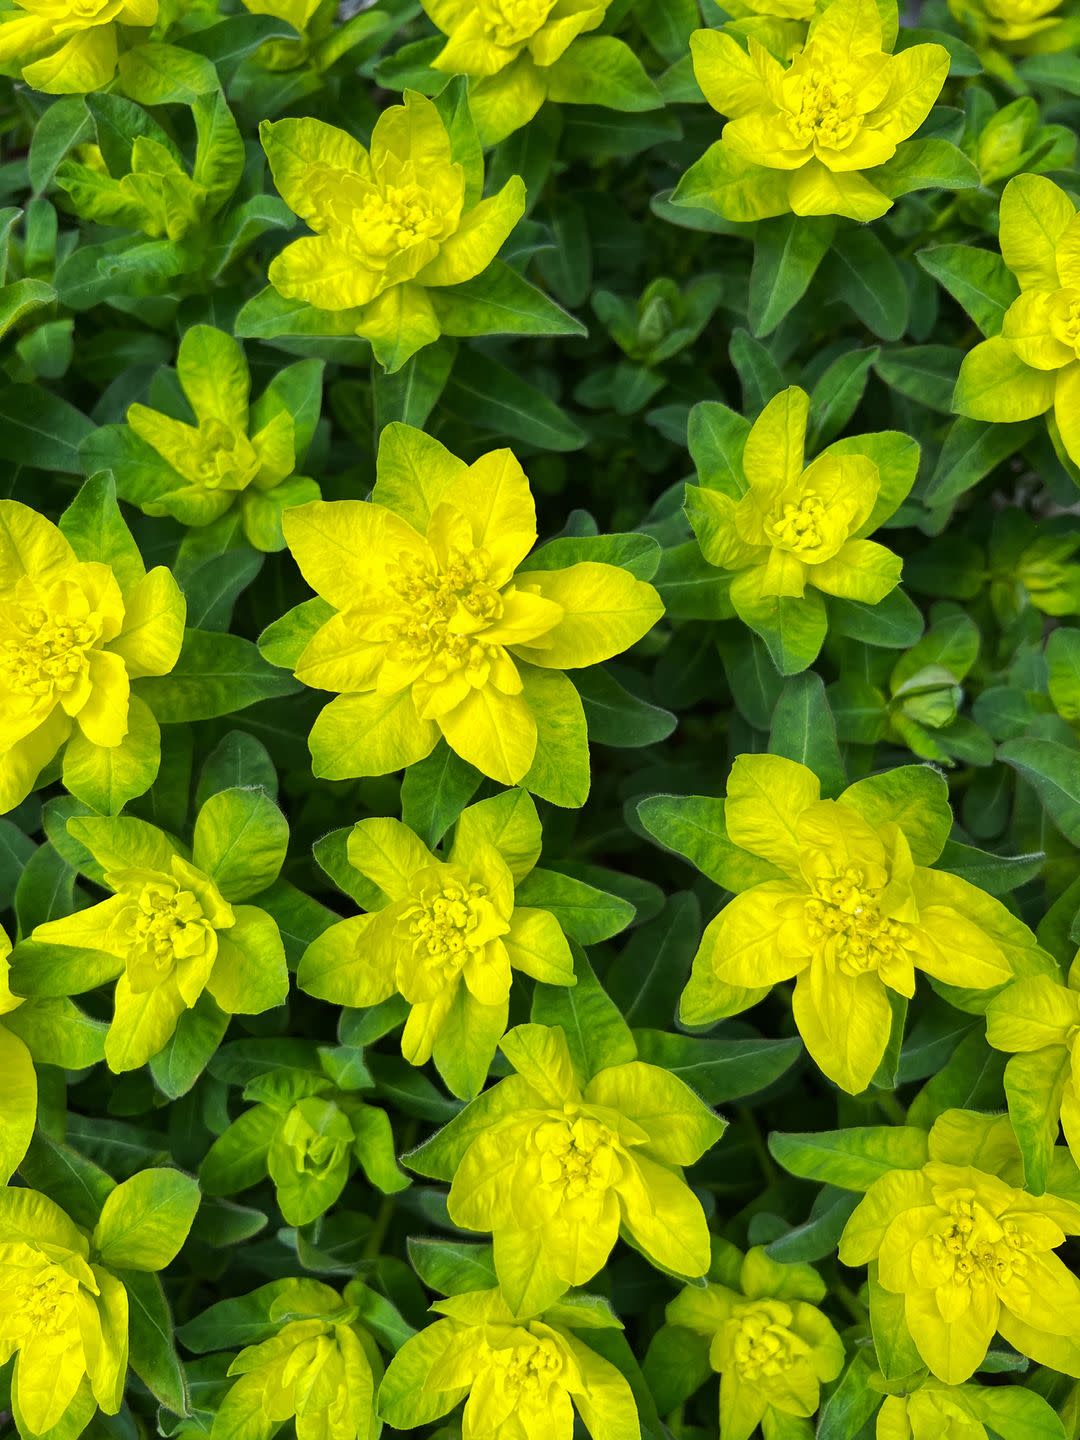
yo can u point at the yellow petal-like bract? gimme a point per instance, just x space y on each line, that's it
437 629
801 136
68 47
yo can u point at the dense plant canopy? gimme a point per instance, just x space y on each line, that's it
540 719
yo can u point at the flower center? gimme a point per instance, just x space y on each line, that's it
762 1345
844 912
798 526
1065 319
394 219
441 609
512 22
577 1156
442 922
981 1247
529 1368
823 112
167 925
39 1299
316 1149
45 653
226 458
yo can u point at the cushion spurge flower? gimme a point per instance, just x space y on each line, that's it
852 913
520 1379
63 1317
1033 366
236 457
68 47
970 1252
74 634
433 625
790 531
511 51
554 1164
390 222
168 932
448 937
771 1346
808 137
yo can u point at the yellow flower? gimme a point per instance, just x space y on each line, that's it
434 629
963 1412
1024 27
509 48
389 223
1033 366
520 1379
971 1253
72 639
68 47
166 934
788 525
62 1316
771 1346
447 938
553 1166
1037 1021
235 457
800 137
320 1369
850 914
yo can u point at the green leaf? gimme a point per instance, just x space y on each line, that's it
145 1221
792 627
1053 770
600 70
719 1070
693 826
852 1159
240 841
759 373
978 280
155 74
586 914
972 450
897 1356
483 393
893 623
596 1032
152 1351
500 302
239 761
803 729
836 395
864 275
787 253
39 429
1033 1086
198 1033
214 675
617 718
925 165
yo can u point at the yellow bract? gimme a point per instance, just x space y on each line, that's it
167 935
320 1372
521 1379
1037 1020
971 1253
555 1167
71 642
795 524
1023 27
65 1319
507 47
771 1346
389 222
437 631
68 47
800 136
1033 366
850 917
447 938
